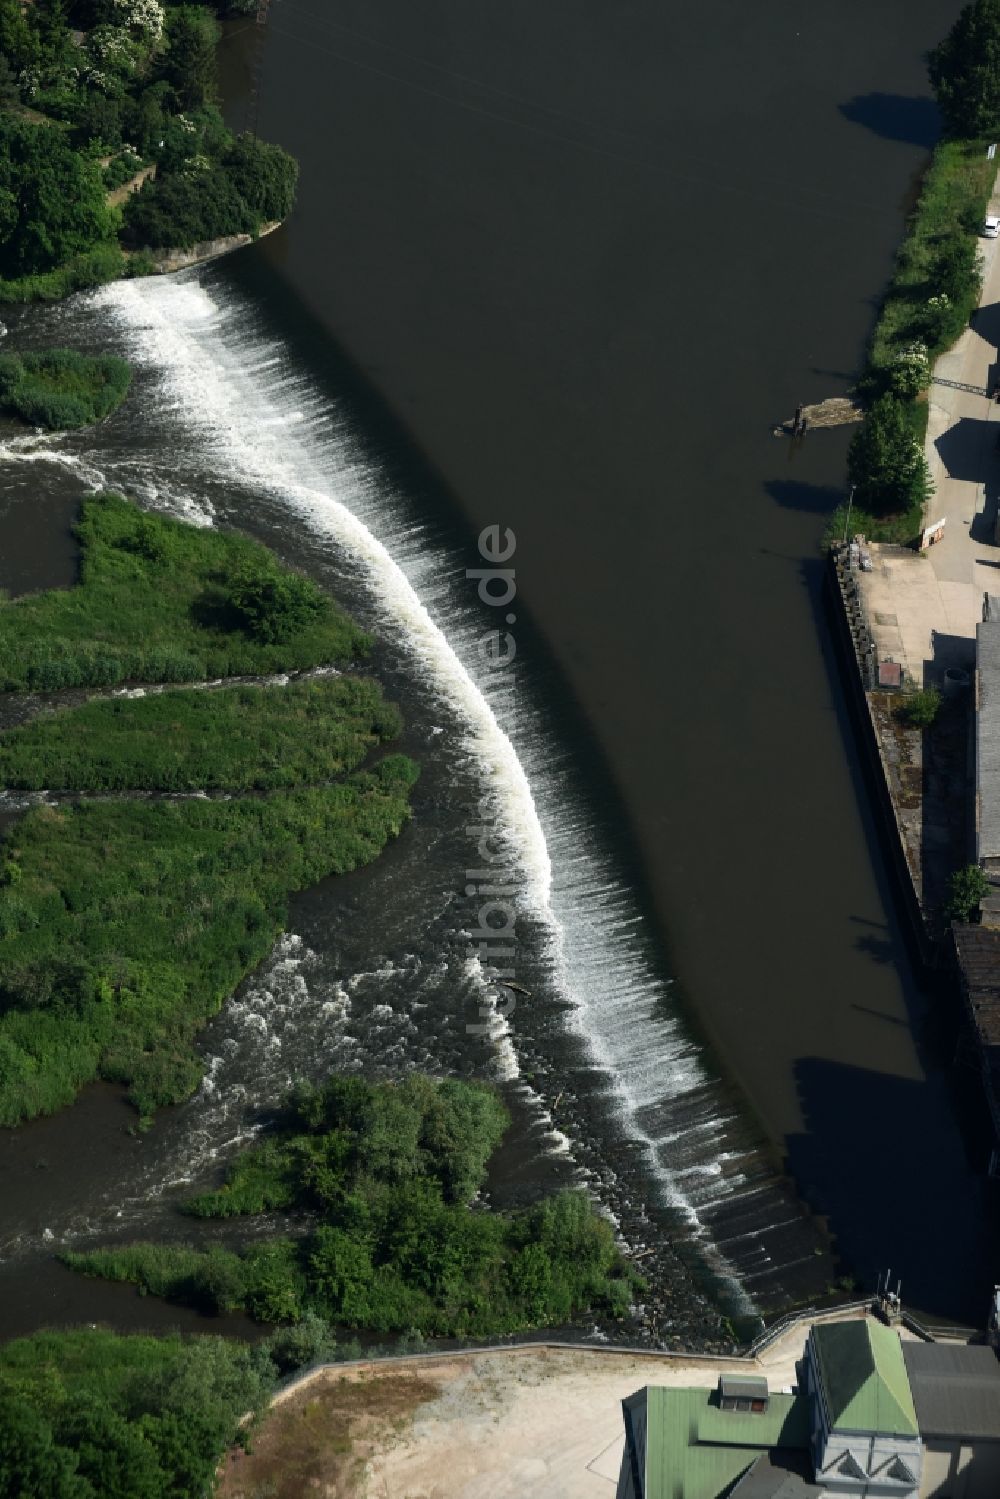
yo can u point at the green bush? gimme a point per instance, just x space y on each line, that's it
60 388
920 709
274 606
966 888
264 176
94 267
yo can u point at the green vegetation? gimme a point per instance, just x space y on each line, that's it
965 72
885 462
80 114
966 888
125 924
386 1173
61 388
932 295
920 709
52 199
90 1415
936 283
153 605
226 739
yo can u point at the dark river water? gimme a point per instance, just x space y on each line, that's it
558 268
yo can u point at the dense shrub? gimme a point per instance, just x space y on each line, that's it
90 1415
128 86
61 388
274 606
920 709
388 1171
182 210
966 888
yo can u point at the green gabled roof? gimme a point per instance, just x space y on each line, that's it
864 1379
694 1450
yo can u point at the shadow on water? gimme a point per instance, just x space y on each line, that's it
810 499
893 1186
895 117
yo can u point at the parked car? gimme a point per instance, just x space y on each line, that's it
991 228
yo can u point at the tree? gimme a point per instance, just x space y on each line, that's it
52 202
885 462
31 1461
17 43
964 71
189 62
264 176
275 607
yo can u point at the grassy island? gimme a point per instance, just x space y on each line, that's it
160 601
59 388
384 1175
125 923
111 143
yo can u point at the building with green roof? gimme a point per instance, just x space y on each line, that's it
850 1428
681 1444
864 1436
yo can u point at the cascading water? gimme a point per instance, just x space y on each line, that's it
224 422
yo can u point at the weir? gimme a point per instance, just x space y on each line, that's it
601 1037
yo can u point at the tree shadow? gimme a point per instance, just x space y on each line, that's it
895 117
812 499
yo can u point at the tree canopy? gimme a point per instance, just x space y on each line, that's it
965 71
52 202
885 462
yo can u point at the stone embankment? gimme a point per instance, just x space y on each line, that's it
167 261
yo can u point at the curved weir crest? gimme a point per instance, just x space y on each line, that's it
259 421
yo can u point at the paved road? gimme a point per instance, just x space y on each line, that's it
963 458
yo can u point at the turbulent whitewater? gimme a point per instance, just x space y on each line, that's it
599 1035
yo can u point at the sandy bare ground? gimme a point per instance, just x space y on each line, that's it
546 1423
496 1424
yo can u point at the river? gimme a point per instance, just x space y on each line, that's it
559 269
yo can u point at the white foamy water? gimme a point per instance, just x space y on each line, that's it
246 413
